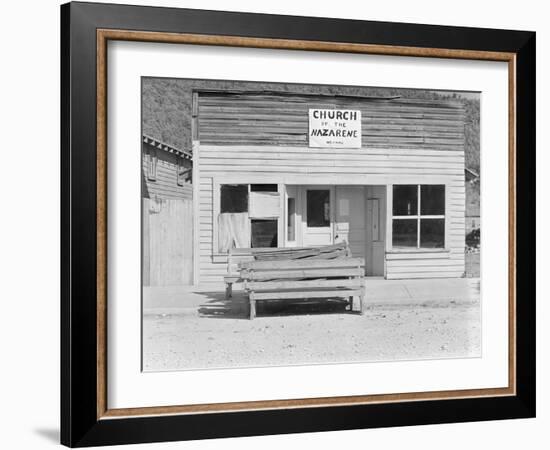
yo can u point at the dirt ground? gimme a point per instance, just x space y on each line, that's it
218 334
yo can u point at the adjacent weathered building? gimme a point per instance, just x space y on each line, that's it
167 214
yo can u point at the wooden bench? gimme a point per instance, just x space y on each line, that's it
239 255
304 279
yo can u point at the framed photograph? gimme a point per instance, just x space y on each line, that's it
276 224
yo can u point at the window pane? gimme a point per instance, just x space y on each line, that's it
404 232
263 187
432 199
405 200
233 198
432 233
291 214
318 208
264 233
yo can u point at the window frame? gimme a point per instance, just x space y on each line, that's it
419 216
217 182
291 221
152 161
183 174
247 197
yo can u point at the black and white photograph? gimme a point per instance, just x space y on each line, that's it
291 224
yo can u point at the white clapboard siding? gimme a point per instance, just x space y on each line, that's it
276 165
165 185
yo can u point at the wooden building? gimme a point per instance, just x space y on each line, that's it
472 183
167 171
396 193
167 214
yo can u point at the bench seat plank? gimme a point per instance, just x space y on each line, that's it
301 273
301 284
276 295
303 264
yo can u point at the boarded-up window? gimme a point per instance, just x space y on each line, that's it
233 231
233 221
264 233
264 205
264 201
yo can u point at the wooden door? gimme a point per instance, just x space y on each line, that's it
318 215
350 218
375 230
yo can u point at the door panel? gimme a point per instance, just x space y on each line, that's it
318 215
350 218
375 230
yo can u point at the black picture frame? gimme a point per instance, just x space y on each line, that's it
80 425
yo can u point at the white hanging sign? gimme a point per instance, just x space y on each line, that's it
334 128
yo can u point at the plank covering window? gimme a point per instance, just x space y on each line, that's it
418 216
264 205
233 220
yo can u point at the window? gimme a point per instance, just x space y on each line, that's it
318 208
249 216
263 188
183 173
418 216
233 220
291 217
233 198
264 201
264 212
151 162
263 233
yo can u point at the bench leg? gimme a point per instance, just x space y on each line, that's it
361 301
252 305
228 290
351 304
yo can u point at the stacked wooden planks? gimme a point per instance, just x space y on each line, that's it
326 252
304 273
274 254
304 279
